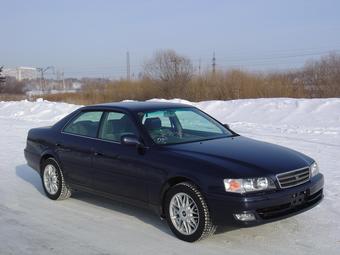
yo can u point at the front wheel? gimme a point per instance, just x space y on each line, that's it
53 180
187 213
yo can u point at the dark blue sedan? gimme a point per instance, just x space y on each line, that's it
175 159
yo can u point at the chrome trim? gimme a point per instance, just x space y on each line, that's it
94 138
295 170
98 139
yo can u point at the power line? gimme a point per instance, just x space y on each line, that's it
221 60
121 70
238 59
281 56
328 48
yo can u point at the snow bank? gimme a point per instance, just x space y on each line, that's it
84 224
287 114
283 114
38 111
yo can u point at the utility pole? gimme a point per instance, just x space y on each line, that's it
63 78
60 79
214 63
128 66
199 67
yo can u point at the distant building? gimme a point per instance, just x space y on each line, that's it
21 73
76 85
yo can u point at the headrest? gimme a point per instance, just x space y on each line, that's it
153 123
111 124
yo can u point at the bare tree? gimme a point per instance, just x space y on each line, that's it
322 77
167 66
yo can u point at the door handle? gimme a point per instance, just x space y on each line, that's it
61 147
98 154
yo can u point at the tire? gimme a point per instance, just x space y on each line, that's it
196 221
59 190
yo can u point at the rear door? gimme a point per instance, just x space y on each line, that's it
75 148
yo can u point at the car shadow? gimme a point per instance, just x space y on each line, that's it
29 175
145 215
225 229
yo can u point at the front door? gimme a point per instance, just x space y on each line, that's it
119 169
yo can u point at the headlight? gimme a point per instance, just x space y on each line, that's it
248 185
314 169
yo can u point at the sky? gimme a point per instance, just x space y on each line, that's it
91 38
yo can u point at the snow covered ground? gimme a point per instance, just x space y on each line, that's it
84 224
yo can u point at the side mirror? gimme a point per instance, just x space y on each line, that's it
226 126
131 140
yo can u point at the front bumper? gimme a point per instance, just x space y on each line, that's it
266 207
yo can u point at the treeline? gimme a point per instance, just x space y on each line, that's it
12 86
169 75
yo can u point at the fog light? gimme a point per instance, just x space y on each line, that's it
245 216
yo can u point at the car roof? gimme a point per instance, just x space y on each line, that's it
137 106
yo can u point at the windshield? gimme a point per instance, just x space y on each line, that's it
181 125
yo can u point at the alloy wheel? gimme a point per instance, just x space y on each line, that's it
51 179
184 213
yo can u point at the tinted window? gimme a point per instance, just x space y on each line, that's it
115 125
86 124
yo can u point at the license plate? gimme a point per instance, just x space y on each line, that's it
298 198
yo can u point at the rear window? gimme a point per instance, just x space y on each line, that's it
85 124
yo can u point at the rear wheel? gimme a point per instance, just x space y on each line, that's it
187 213
53 180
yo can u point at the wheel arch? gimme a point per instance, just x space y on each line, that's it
45 155
172 182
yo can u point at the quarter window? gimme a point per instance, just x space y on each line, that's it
86 124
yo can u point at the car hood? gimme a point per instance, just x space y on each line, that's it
244 156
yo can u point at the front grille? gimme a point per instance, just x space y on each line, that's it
293 178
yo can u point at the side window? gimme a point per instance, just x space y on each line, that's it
115 125
86 124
